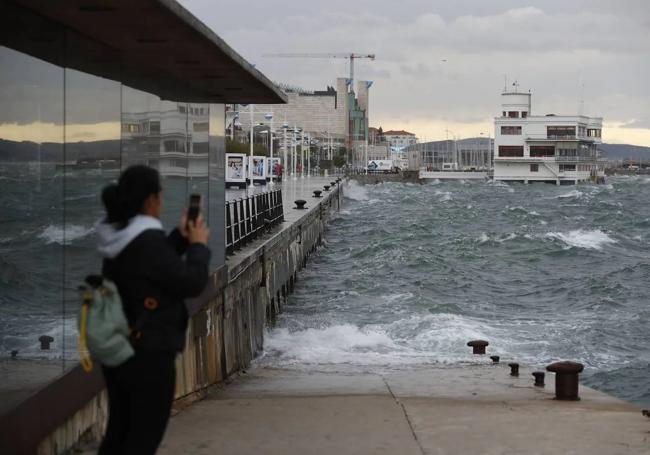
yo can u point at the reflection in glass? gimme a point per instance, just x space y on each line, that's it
32 235
92 137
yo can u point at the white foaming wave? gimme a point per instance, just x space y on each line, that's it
579 238
571 194
445 196
483 238
57 234
337 344
417 340
355 192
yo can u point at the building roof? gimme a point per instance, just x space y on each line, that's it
151 45
398 133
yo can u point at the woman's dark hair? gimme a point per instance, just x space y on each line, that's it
125 199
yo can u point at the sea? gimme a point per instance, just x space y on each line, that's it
408 274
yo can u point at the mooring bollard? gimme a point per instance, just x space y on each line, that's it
514 369
566 379
326 187
300 204
478 346
495 358
539 378
645 412
45 342
317 193
333 184
14 354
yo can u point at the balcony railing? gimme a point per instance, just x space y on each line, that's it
250 217
575 159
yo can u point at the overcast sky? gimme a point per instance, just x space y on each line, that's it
562 50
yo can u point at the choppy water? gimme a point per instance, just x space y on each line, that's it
410 273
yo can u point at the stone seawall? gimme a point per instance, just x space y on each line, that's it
225 334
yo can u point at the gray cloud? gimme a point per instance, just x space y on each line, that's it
594 50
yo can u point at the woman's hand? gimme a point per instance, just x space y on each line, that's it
197 231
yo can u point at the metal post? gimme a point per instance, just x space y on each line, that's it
250 161
308 155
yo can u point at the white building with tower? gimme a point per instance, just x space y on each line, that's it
544 148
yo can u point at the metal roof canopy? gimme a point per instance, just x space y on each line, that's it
152 45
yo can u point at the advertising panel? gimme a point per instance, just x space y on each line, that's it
235 170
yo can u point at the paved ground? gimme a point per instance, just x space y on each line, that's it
477 409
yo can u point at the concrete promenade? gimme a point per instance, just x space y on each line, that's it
474 409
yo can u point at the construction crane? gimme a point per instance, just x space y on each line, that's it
350 56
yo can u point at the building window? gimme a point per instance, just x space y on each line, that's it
511 151
553 132
542 151
524 114
511 130
534 167
504 114
200 127
567 167
593 132
513 114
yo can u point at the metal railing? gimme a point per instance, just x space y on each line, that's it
250 217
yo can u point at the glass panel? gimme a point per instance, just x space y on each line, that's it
32 237
173 161
92 133
217 166
198 123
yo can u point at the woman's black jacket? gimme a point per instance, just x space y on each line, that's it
152 267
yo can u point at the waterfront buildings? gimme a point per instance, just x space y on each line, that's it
544 148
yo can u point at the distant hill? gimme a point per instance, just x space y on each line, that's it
11 151
614 152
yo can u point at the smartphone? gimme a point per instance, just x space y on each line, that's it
194 207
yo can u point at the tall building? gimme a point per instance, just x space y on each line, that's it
544 148
338 113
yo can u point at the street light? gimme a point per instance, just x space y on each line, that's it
269 118
250 162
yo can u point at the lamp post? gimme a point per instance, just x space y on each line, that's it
294 152
302 154
308 155
235 116
285 127
250 161
269 118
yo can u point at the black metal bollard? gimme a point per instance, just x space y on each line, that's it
333 184
326 187
495 358
300 204
14 354
566 379
514 369
539 378
317 193
478 346
45 342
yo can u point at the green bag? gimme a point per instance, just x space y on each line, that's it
103 327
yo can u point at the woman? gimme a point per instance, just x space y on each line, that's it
153 280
